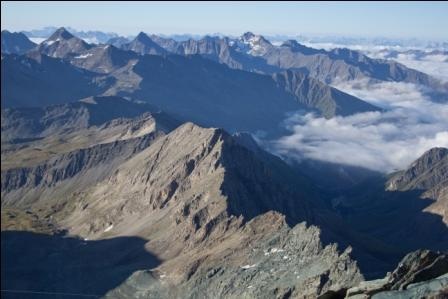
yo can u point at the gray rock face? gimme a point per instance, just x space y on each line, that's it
420 273
286 263
435 288
15 43
418 266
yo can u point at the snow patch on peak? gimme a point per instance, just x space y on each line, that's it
84 56
251 44
49 42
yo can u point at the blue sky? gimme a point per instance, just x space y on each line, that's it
386 19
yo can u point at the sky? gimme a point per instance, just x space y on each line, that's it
426 20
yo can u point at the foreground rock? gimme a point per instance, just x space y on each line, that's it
271 260
421 274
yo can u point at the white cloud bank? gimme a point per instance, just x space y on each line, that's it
434 65
382 141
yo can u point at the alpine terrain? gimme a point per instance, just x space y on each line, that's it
146 167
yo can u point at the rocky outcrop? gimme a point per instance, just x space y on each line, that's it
425 173
429 175
269 260
422 272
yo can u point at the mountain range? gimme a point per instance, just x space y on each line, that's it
139 169
176 84
255 53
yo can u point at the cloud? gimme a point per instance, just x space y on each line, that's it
382 141
37 40
366 48
429 61
435 65
387 95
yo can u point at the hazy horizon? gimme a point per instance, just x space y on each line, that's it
405 20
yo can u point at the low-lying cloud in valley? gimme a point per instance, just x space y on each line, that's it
435 65
382 141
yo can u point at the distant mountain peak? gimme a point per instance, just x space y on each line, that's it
142 36
251 38
143 44
253 44
247 35
61 33
144 39
62 43
290 43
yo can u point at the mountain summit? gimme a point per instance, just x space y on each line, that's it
60 34
62 44
143 44
252 44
